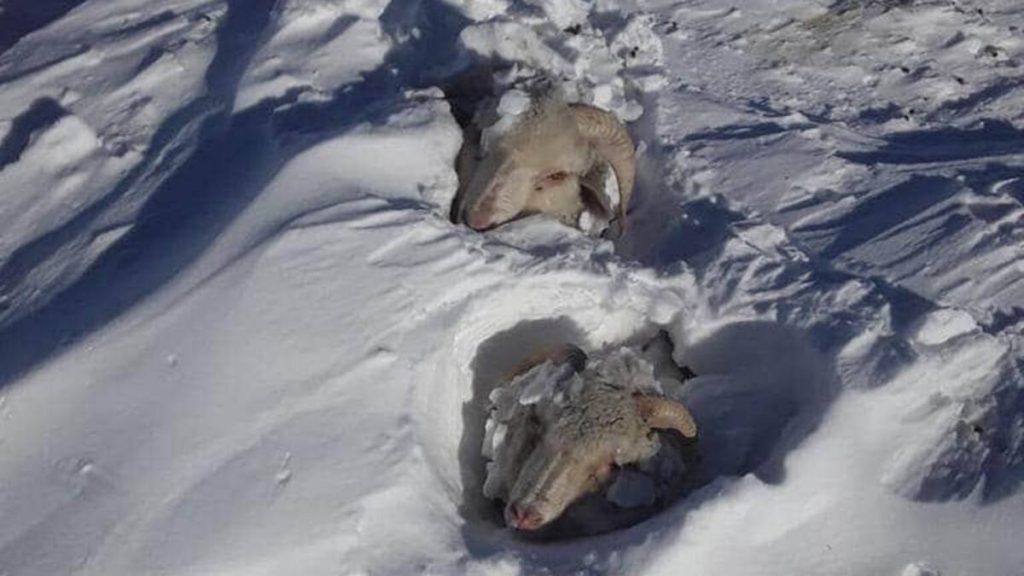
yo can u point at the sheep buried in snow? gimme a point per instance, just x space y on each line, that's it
548 157
561 429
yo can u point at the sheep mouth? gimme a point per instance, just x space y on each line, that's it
491 224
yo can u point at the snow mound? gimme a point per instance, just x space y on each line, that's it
238 334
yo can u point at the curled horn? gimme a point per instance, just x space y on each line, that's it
662 413
611 140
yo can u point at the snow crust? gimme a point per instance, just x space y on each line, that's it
238 334
320 32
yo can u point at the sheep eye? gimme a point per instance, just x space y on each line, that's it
550 180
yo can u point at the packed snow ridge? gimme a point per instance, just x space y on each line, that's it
239 333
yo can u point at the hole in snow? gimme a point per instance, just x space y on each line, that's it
760 390
634 491
496 357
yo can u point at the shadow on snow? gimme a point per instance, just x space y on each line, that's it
210 182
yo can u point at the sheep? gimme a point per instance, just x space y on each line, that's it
556 449
553 158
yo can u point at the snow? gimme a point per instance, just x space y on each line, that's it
941 325
238 334
349 28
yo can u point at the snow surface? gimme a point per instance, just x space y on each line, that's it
238 334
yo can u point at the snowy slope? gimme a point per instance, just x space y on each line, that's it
238 334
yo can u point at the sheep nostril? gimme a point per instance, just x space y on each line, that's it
479 220
522 517
513 514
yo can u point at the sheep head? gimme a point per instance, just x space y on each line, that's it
581 442
539 164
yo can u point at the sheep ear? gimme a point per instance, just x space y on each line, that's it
664 414
573 356
560 354
592 191
609 137
566 354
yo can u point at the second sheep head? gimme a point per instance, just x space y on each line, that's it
559 454
553 159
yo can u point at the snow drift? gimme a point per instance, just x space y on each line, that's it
239 335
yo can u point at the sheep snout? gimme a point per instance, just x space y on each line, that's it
524 518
